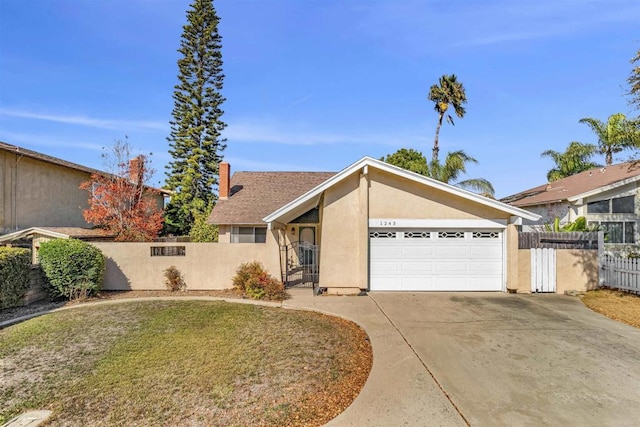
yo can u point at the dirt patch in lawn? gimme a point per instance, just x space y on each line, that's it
183 363
620 306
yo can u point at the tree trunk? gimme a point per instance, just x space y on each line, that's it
608 158
436 149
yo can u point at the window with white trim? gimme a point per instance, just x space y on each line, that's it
248 234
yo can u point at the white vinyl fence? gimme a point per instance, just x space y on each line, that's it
621 273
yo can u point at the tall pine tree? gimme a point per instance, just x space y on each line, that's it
195 141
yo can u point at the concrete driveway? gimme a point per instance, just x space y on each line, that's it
489 359
522 359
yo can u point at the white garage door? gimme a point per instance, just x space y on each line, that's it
435 260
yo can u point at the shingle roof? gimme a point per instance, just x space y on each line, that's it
574 185
255 195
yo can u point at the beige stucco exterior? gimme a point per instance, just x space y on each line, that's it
576 270
37 193
344 245
392 196
204 266
348 206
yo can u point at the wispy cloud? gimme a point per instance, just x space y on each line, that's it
406 25
78 120
46 141
242 163
300 101
252 132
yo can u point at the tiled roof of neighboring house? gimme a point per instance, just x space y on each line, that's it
575 185
54 160
254 195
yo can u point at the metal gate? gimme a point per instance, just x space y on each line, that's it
543 270
300 265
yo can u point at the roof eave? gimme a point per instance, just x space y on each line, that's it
29 231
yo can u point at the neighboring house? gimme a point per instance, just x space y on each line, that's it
37 190
606 196
372 226
34 236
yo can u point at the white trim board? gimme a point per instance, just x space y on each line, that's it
436 223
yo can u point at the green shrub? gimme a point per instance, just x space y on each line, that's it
74 269
253 280
15 266
173 279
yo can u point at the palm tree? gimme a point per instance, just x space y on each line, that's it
614 136
449 92
454 165
449 172
575 159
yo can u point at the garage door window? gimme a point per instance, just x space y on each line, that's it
450 234
486 235
382 234
417 234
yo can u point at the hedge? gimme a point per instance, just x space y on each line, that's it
15 266
74 269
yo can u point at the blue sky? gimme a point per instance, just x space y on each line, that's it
316 85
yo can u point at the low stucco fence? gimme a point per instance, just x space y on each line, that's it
204 266
575 270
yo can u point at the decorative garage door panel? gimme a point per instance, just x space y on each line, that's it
435 260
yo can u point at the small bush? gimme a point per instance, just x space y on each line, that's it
15 265
74 269
245 272
174 280
253 280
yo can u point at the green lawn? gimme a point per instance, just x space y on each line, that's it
182 362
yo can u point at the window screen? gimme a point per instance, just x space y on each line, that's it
601 206
623 205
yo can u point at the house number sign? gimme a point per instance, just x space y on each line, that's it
386 223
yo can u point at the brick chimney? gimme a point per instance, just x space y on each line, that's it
223 184
136 170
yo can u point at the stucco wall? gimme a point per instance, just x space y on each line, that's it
342 238
39 194
576 270
523 284
205 265
391 196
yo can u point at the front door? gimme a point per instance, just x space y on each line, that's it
307 239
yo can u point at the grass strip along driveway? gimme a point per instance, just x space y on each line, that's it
182 362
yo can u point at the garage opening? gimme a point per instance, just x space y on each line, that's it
435 259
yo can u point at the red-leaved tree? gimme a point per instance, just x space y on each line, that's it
119 202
